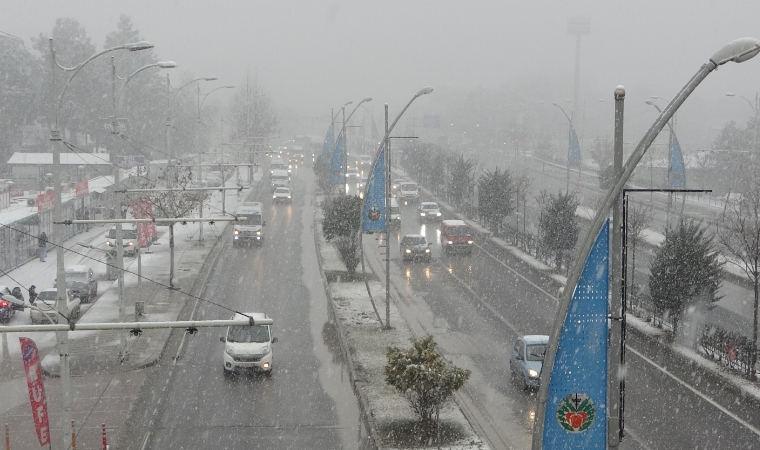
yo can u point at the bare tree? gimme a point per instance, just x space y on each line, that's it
739 234
174 204
252 113
639 217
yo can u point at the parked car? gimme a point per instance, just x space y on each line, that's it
129 239
248 347
282 195
428 211
45 309
14 297
414 247
527 360
80 279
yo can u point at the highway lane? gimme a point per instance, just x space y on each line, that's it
307 402
480 323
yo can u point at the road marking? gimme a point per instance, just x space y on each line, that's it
709 400
519 275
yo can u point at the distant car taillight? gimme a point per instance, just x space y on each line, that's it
4 304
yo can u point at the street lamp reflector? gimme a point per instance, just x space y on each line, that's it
137 46
232 86
737 51
555 104
424 91
167 64
730 94
209 78
346 104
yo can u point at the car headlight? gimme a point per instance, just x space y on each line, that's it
422 214
449 242
469 242
288 196
235 232
108 243
408 250
274 196
427 250
230 351
130 243
438 214
532 373
258 233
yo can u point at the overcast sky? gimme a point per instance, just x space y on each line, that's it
312 55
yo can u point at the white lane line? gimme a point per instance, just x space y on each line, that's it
519 275
687 386
486 304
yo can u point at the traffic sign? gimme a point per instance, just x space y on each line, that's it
121 125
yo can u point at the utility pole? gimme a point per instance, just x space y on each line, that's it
200 162
388 186
62 337
168 118
615 273
345 151
119 198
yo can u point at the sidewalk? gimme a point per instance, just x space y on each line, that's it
103 387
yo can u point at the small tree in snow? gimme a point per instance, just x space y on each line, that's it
341 224
559 226
421 374
495 197
684 268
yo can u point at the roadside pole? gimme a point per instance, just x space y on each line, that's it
388 186
62 336
616 306
119 198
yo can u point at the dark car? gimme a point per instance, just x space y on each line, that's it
414 247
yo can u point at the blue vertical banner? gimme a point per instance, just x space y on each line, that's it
329 144
677 173
336 167
576 409
373 210
574 158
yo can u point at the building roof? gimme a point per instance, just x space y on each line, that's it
66 159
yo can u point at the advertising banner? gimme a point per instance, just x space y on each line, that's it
33 371
82 188
45 201
373 213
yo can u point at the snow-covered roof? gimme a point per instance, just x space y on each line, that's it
66 159
536 339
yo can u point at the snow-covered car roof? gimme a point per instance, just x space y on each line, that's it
454 223
428 205
535 339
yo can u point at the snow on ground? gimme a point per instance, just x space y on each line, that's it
368 344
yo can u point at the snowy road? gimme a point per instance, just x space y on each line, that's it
670 405
308 401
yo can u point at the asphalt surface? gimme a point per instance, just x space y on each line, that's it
479 323
308 401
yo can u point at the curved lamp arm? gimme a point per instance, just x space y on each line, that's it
737 51
161 64
133 47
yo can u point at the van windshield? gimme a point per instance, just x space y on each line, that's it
125 234
408 187
458 231
395 210
246 333
536 352
252 219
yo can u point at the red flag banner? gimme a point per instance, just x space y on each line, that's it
36 389
45 201
82 188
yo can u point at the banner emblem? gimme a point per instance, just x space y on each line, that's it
374 213
576 413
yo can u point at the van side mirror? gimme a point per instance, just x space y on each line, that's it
518 358
274 339
222 339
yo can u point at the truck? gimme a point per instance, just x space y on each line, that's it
280 178
248 227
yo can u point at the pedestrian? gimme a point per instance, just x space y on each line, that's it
123 211
32 293
42 244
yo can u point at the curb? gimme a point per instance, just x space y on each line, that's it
369 421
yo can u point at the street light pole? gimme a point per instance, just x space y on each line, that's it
569 137
57 231
345 138
198 148
737 51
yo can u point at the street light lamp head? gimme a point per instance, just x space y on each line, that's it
619 92
737 51
555 104
346 104
730 94
368 99
649 102
209 78
166 64
232 86
424 91
137 46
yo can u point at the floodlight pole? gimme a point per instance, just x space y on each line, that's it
388 186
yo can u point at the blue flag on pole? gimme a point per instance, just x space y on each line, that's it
336 167
373 210
576 409
329 143
677 173
574 158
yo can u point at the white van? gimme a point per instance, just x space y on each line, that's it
395 215
280 178
248 228
248 347
409 193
